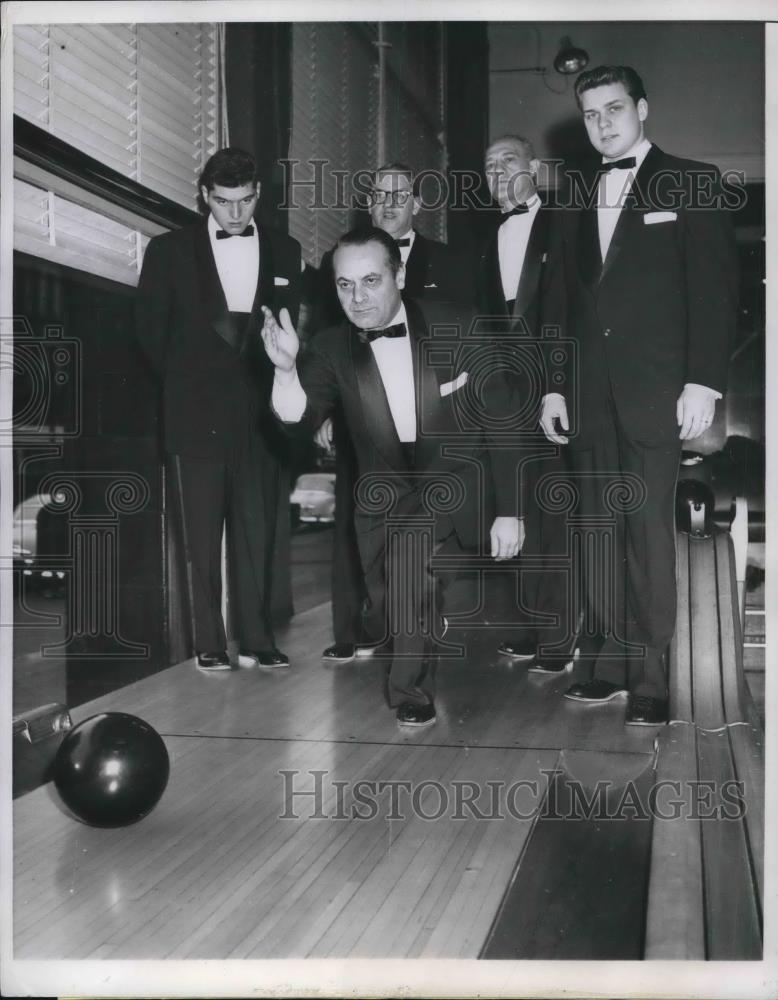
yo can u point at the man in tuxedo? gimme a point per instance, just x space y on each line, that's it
400 409
433 272
509 284
198 321
644 280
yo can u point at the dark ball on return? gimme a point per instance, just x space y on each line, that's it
111 769
694 503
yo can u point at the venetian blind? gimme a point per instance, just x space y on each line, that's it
142 99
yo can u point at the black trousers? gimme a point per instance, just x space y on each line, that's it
348 584
627 543
405 601
548 606
240 494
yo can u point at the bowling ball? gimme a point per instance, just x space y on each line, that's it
111 769
692 493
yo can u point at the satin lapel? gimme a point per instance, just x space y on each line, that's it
210 288
416 268
427 388
265 286
530 272
630 215
493 279
263 294
375 406
589 256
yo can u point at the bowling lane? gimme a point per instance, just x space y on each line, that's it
483 700
216 871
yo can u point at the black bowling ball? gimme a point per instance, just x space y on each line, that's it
111 769
694 503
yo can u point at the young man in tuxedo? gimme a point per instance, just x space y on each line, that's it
198 321
433 272
509 284
400 411
645 281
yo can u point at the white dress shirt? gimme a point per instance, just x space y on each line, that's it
405 252
394 358
615 185
237 261
512 241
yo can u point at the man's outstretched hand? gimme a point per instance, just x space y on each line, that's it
281 341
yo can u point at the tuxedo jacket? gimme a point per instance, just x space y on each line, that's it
659 312
340 369
210 390
433 273
527 295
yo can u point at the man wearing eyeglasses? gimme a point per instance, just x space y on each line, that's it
433 272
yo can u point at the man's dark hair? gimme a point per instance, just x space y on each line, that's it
368 234
601 76
404 170
230 168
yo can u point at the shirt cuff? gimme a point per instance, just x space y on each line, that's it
289 399
696 385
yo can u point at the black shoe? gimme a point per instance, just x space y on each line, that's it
523 648
594 692
643 710
263 658
339 652
213 661
410 714
365 649
552 665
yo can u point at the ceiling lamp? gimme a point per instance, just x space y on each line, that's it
570 59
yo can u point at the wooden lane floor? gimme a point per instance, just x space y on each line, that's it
237 861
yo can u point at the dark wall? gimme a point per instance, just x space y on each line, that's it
467 113
86 414
258 78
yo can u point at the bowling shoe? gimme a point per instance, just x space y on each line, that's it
411 714
521 648
213 661
642 710
551 664
340 652
263 658
595 692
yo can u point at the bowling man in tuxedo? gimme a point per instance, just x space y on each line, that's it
509 284
399 410
198 320
644 280
433 272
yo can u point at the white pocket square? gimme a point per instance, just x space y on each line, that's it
433 285
280 281
651 218
448 387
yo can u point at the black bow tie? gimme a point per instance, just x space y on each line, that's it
406 242
518 210
625 164
221 235
398 330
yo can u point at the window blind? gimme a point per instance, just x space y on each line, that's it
141 98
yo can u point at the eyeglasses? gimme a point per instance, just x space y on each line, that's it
393 197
